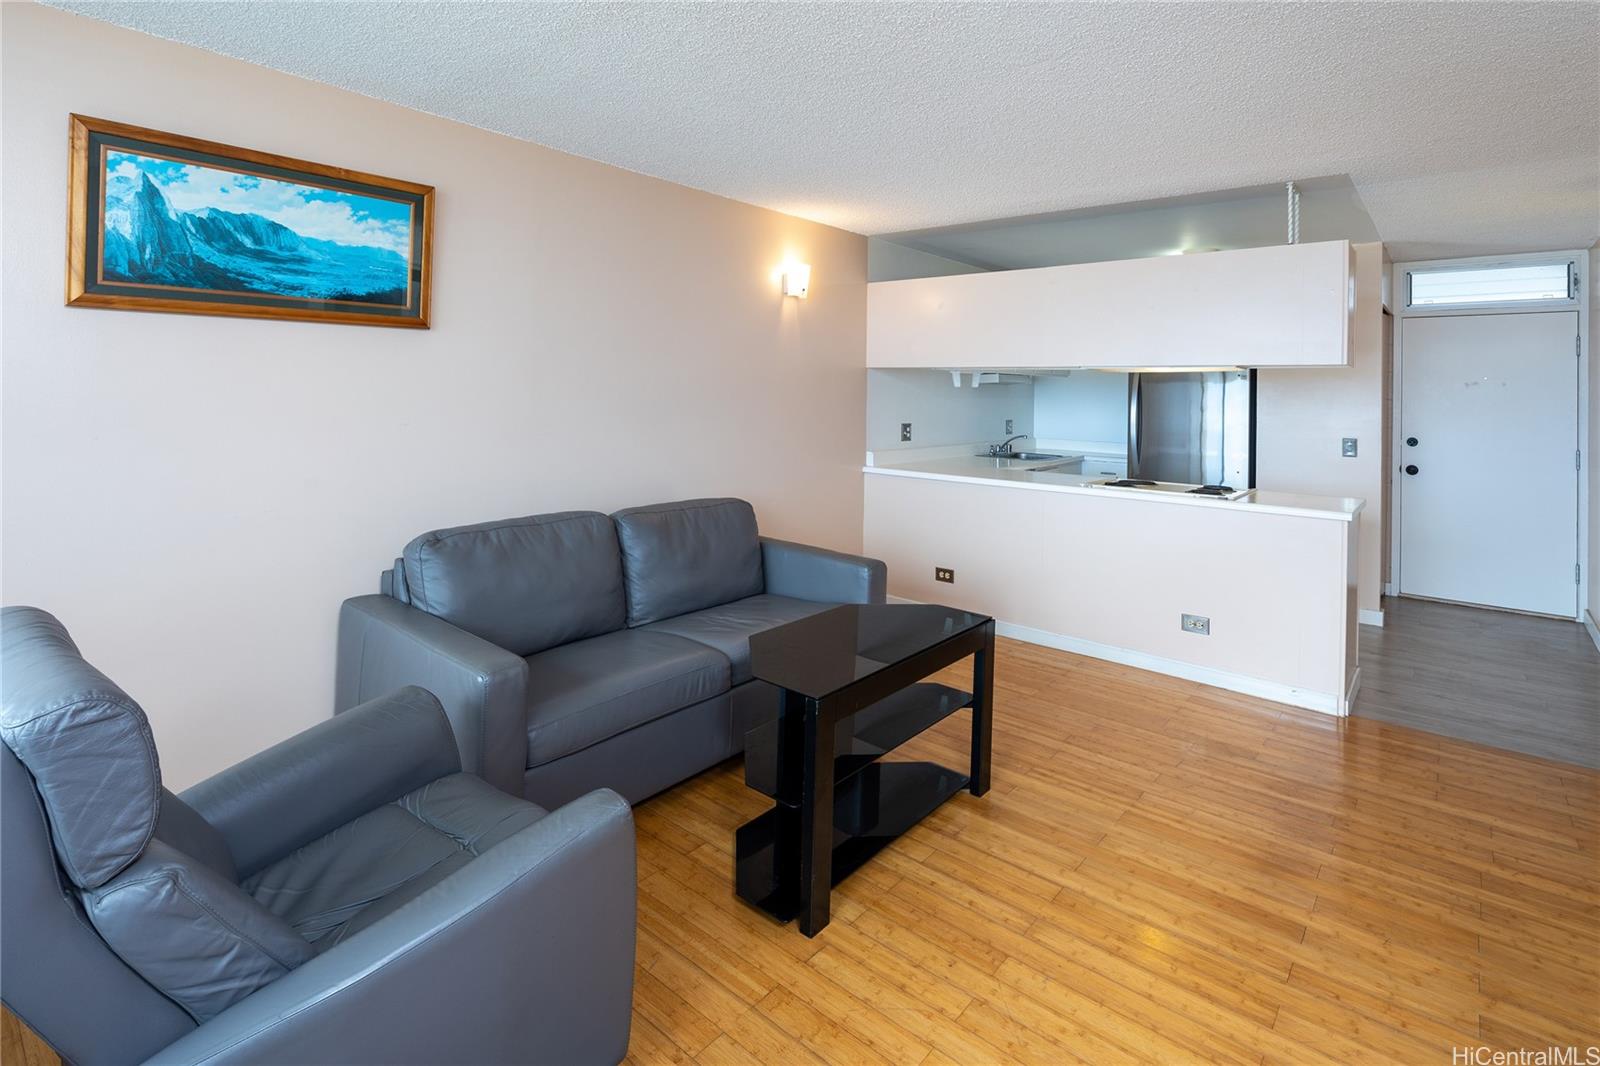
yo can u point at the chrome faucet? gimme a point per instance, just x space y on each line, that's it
1003 449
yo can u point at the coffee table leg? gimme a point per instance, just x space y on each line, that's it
982 712
791 752
816 821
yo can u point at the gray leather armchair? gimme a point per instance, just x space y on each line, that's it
347 896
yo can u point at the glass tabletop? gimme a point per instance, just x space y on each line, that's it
819 655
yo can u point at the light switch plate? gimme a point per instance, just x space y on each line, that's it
1009 424
1347 448
905 431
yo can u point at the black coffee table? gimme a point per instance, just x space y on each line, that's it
852 692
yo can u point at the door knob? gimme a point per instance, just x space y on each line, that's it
1411 442
1412 469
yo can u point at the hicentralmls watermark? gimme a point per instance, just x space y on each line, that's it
1542 1056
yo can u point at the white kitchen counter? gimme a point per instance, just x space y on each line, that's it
981 470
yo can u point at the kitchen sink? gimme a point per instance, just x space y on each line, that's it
1025 457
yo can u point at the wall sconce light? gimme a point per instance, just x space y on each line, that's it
796 279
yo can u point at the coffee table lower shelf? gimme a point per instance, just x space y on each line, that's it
879 803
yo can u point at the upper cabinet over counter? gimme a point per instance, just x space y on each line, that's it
1280 306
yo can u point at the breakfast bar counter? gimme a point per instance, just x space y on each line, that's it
1255 594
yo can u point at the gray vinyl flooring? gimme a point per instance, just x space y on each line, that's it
1507 680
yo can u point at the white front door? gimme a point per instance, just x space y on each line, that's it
1488 445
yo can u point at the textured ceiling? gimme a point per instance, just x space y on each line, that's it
1463 127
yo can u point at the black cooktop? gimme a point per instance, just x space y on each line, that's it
1139 483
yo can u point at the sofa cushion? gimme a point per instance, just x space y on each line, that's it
525 584
680 557
728 628
341 883
582 693
192 933
86 743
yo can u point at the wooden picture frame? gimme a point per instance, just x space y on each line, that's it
162 222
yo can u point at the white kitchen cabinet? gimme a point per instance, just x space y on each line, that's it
1281 306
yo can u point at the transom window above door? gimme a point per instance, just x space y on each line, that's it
1522 284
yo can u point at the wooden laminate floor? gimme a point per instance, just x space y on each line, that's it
1507 680
1163 872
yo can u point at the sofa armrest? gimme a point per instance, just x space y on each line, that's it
384 644
319 779
523 955
822 576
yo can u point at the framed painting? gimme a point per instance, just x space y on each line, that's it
159 222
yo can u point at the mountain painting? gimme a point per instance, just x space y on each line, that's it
174 224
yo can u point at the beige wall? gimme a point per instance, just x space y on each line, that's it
1591 455
194 496
1301 416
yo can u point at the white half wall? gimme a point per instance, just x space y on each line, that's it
1112 577
194 496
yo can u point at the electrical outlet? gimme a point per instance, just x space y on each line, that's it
1197 623
1347 447
1009 425
905 431
945 574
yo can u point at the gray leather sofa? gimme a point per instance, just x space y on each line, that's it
574 651
347 896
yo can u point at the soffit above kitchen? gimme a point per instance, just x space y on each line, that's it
1327 209
1462 128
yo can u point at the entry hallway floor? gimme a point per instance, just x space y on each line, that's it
1163 872
1508 680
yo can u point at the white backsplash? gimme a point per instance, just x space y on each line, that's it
941 414
1087 405
1084 413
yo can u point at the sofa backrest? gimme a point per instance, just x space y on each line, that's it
686 556
525 584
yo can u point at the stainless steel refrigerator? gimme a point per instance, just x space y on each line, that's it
1198 428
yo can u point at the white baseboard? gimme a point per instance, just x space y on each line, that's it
1593 627
1371 618
1325 702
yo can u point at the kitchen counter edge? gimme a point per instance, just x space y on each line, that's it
1335 508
